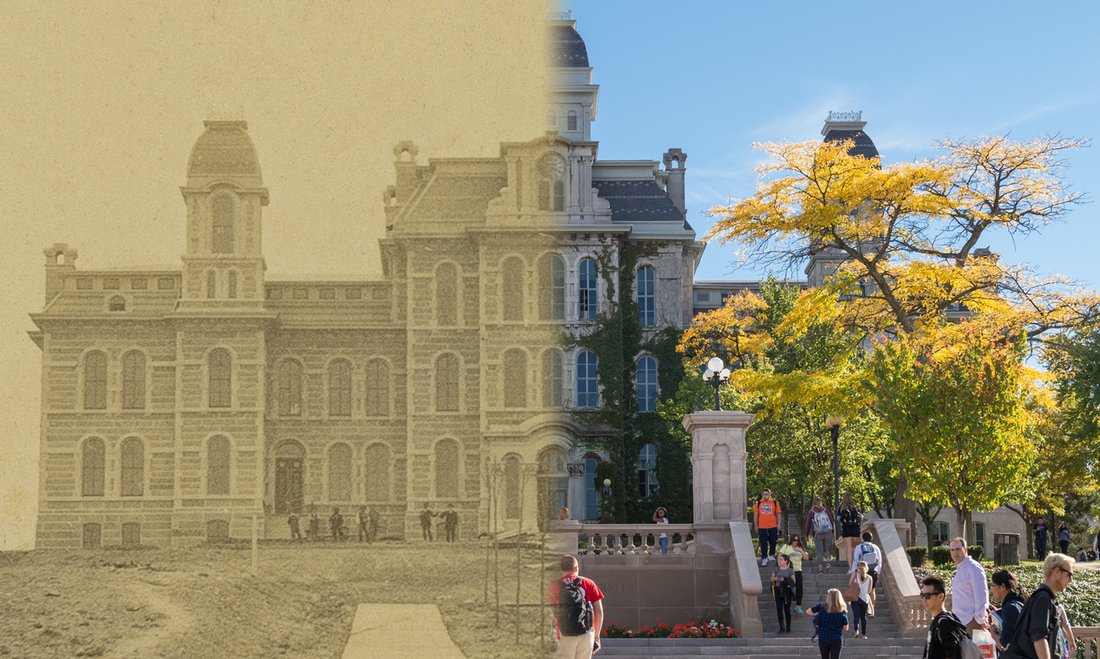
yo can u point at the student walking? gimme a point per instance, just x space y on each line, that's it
869 553
783 590
850 519
797 553
945 632
830 621
860 605
819 526
1040 636
969 594
1063 538
765 518
578 612
1007 591
1040 539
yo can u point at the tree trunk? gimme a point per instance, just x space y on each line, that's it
904 507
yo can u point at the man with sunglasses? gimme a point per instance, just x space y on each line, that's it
1036 634
945 633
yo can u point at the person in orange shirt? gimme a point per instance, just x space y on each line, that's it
765 518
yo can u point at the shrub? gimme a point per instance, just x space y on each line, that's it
712 629
941 556
917 555
976 552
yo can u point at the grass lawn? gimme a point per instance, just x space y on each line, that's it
202 602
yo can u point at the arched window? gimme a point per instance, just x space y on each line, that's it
446 295
553 392
232 292
95 381
378 472
552 288
446 383
211 285
587 392
92 473
646 307
339 388
553 483
117 303
446 468
222 237
220 366
511 487
290 388
133 380
646 384
515 378
339 472
512 289
647 470
133 468
378 388
217 465
571 120
586 290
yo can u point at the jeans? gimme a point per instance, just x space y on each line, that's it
782 605
859 612
824 544
767 536
830 649
798 588
663 540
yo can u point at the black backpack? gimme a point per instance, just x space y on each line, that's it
574 612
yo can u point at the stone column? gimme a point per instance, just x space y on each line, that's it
718 473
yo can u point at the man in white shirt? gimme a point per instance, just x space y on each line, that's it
969 592
870 554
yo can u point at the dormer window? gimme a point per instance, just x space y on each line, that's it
222 237
571 120
552 183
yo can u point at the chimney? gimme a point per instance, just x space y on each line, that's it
60 261
405 155
675 160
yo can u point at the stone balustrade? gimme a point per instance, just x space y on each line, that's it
1088 641
632 539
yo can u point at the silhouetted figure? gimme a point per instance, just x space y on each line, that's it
364 523
314 524
426 516
336 524
450 524
295 530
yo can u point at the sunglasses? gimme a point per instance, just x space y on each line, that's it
928 596
1069 573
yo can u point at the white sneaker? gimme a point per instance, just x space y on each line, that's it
763 562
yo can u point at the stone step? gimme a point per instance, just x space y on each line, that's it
769 648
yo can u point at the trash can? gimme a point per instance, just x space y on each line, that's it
1006 548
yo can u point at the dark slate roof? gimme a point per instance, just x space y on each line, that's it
863 147
638 201
568 47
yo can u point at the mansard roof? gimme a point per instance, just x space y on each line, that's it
863 144
638 201
568 49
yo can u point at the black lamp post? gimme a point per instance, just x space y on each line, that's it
833 423
716 375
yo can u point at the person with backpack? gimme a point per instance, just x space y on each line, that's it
1036 635
945 632
1007 591
867 552
765 518
830 623
578 612
819 526
783 589
861 581
850 519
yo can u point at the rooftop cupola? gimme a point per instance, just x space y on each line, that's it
849 126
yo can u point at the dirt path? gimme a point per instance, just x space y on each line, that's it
165 620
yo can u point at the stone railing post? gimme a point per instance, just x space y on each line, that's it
896 577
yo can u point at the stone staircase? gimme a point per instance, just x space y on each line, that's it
883 641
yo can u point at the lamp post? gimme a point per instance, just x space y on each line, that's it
716 375
833 422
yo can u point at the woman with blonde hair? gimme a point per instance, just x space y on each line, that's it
863 580
830 621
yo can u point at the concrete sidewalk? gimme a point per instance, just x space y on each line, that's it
399 630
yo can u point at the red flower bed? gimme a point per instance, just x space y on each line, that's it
712 629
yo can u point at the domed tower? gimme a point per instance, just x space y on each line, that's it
839 126
223 263
573 106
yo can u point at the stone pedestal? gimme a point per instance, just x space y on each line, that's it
718 465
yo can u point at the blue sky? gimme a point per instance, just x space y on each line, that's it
714 77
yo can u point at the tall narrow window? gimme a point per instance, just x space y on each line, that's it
446 383
222 236
586 290
551 182
217 465
646 385
133 468
591 493
647 471
290 388
646 307
211 285
378 472
95 381
378 388
446 468
571 120
587 392
339 472
117 303
557 195
92 472
339 388
133 381
232 291
512 289
511 487
515 378
552 288
446 295
553 394
220 367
